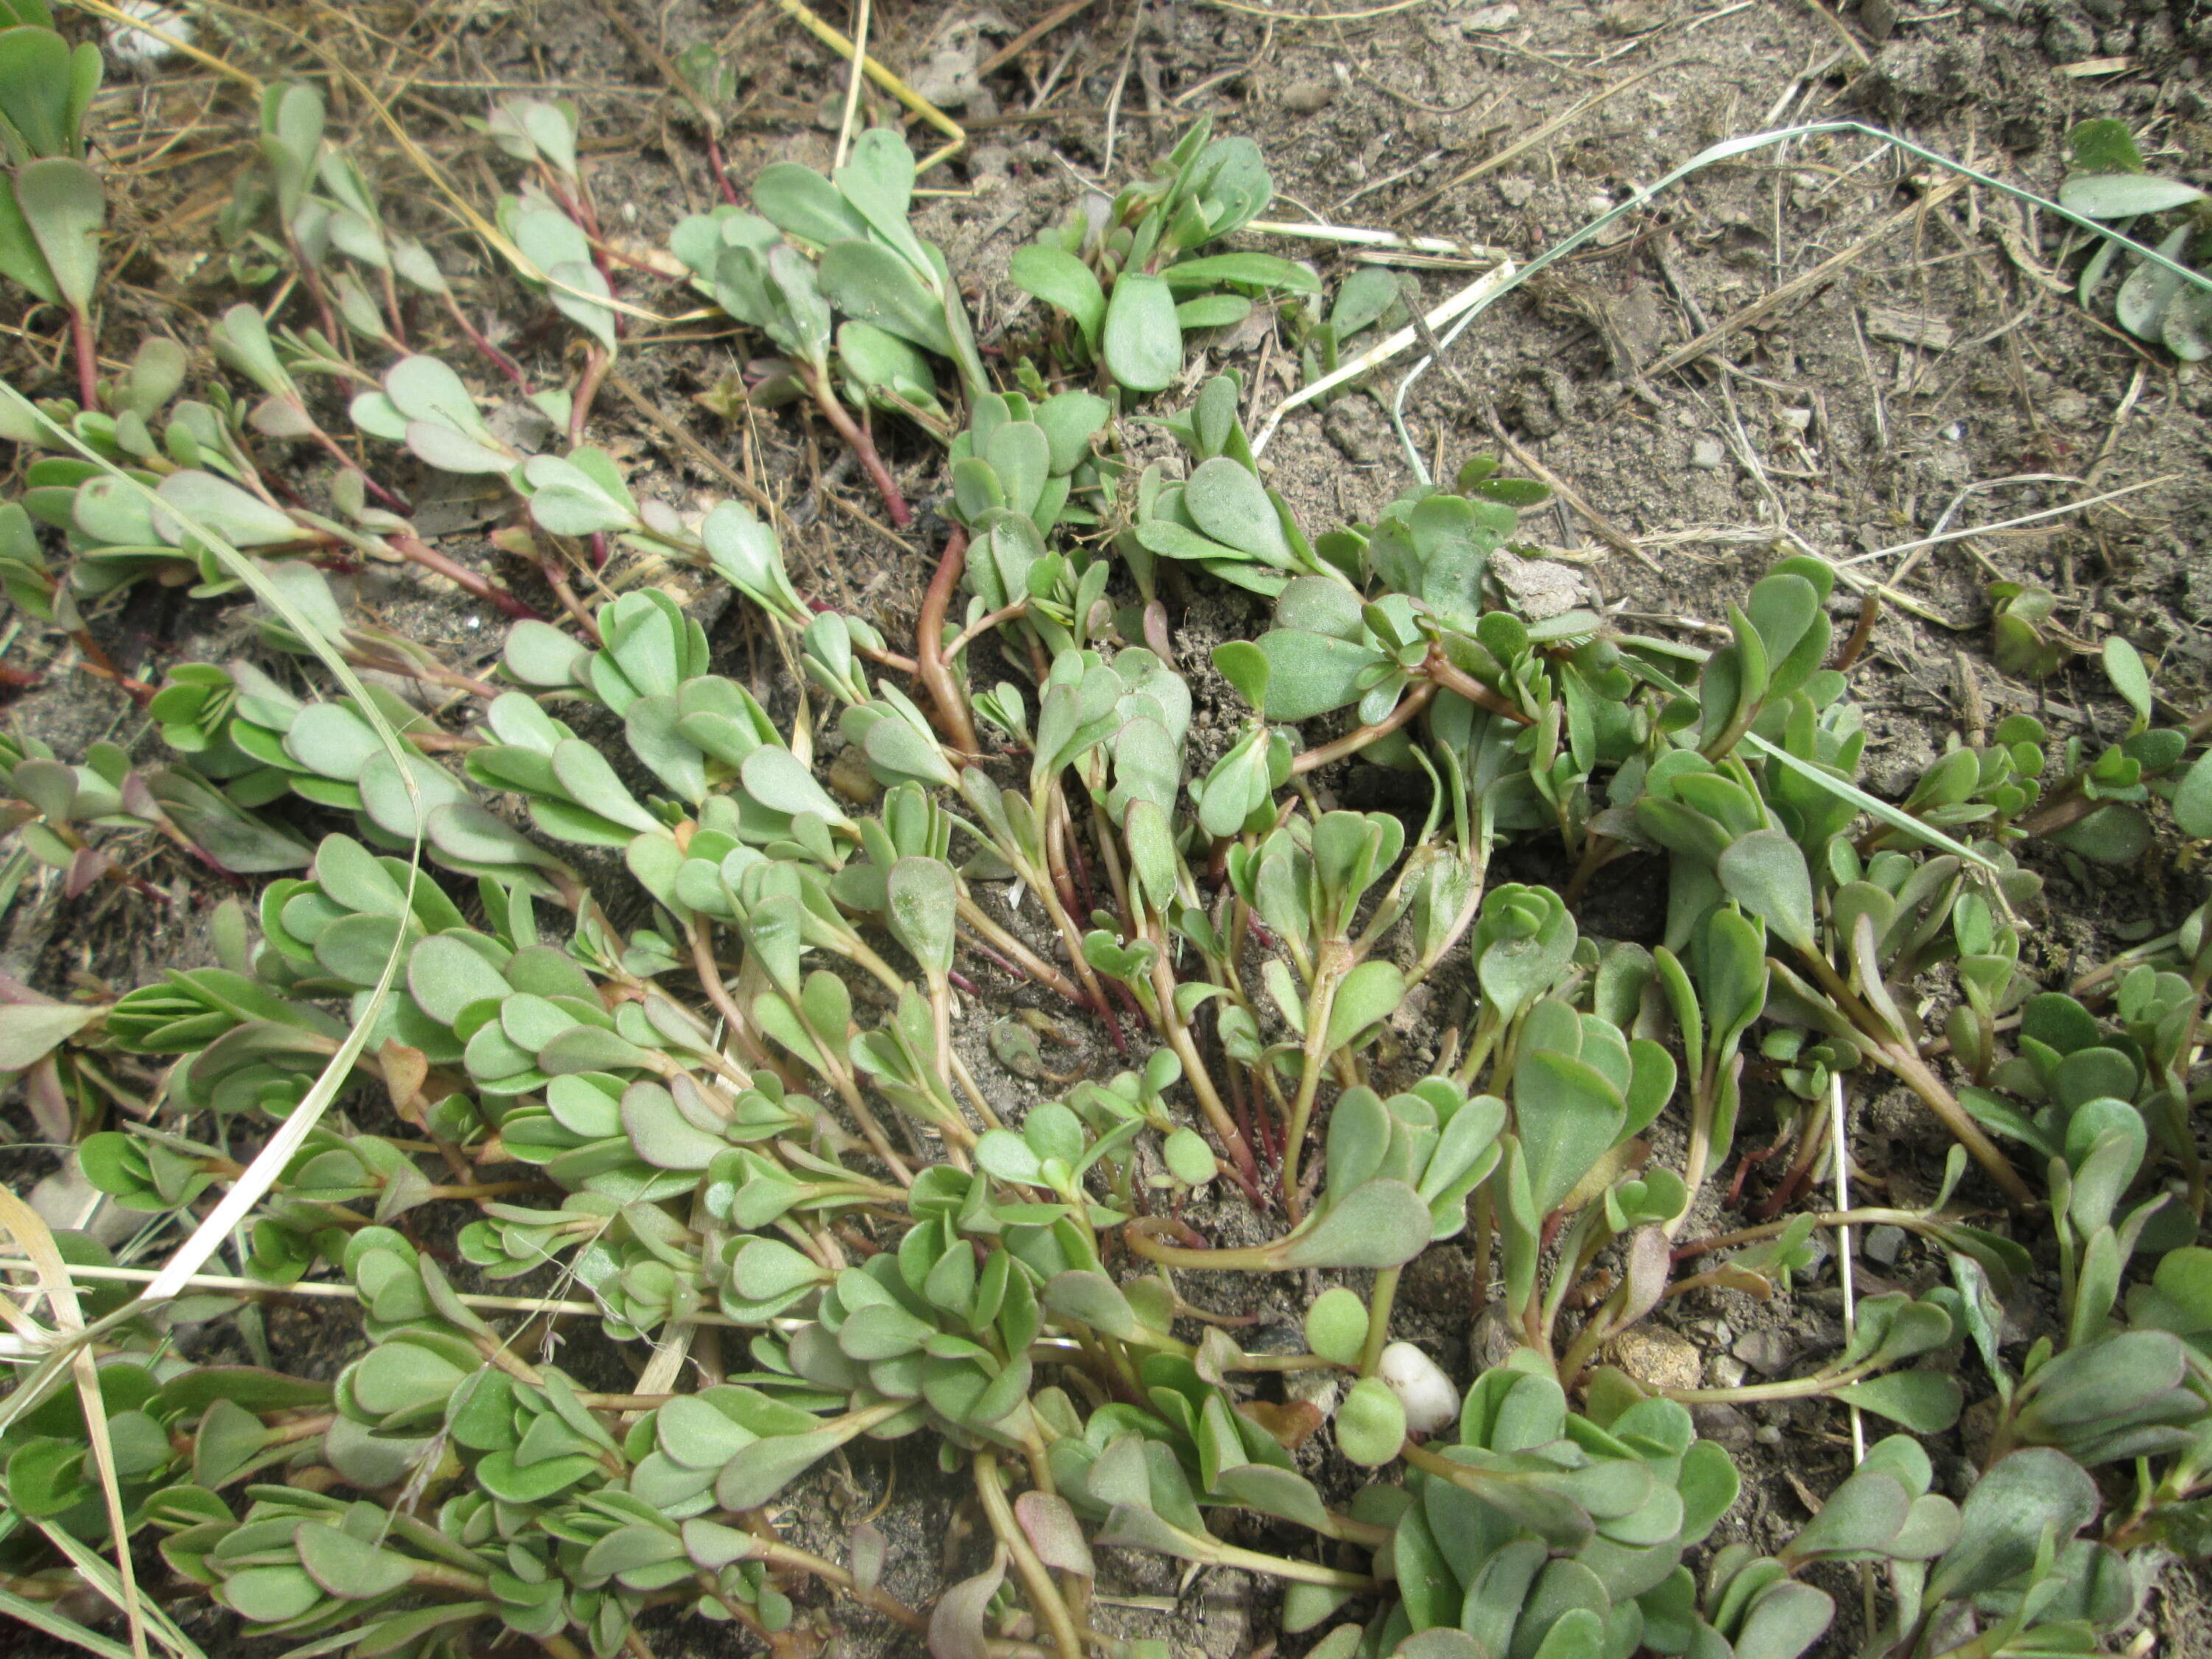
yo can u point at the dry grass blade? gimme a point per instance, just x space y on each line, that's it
1872 805
1972 531
1805 281
1469 300
95 1572
29 1231
44 1616
956 134
852 83
1361 236
312 1290
1840 1150
1274 16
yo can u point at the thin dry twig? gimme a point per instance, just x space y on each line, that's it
1529 140
1804 283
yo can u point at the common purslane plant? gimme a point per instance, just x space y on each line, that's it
678 1024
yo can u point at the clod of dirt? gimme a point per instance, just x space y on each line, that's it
949 77
2068 38
1633 18
1357 429
1308 97
1658 1358
1540 587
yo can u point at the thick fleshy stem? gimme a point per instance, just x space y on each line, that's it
396 503
483 587
1353 742
722 172
1044 1596
87 358
505 364
596 361
860 442
929 645
1904 1062
1452 678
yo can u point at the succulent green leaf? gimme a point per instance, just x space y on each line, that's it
65 206
1142 341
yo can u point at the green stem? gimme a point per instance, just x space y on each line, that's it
1795 1387
1904 1063
1378 1320
1194 1072
1044 1595
1330 967
431 1575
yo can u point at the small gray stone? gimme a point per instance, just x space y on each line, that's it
1766 1351
1516 188
1767 1435
67 1201
1308 97
1724 1424
1722 1372
1884 1243
1878 18
1707 456
1489 20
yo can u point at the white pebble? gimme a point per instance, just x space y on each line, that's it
1429 1400
135 50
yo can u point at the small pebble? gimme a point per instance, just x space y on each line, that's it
1429 1400
1768 1352
1767 1435
1724 1372
1516 188
1884 1243
136 51
1656 1357
1489 20
1308 97
1706 455
1723 1423
67 1201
